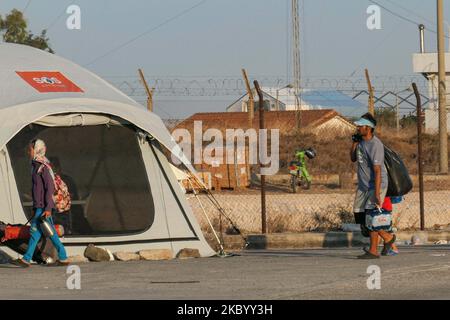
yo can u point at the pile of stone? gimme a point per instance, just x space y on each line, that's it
97 254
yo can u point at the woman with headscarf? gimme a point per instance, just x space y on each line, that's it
43 188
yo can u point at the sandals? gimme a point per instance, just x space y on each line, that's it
59 263
62 263
20 263
388 245
387 248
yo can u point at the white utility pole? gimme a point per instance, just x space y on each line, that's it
296 59
443 149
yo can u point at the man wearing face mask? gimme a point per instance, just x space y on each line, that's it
368 151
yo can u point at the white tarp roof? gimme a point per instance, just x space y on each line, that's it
20 58
21 104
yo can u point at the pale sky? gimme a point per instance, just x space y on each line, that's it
219 37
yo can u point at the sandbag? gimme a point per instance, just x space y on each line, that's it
13 232
399 181
19 231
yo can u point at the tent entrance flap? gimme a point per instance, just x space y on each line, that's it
80 119
105 173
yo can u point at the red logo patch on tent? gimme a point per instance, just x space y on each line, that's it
48 81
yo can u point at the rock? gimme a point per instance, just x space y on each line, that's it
156 254
4 257
419 238
188 253
77 259
415 240
126 256
96 254
111 256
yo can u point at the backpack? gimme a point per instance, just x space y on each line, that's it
61 197
399 181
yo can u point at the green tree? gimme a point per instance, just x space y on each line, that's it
14 29
386 116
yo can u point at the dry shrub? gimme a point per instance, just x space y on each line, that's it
333 151
277 223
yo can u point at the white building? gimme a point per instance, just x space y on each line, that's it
310 99
426 63
270 102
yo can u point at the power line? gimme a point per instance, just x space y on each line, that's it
146 32
411 11
372 51
403 17
58 17
395 14
26 6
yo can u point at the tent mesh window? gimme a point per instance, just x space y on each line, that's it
104 171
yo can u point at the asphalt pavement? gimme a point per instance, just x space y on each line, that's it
416 273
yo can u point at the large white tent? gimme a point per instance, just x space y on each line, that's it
109 150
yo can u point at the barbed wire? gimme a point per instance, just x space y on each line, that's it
389 91
210 87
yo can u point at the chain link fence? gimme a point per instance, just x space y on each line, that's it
327 205
319 212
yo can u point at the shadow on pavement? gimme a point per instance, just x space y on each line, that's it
303 254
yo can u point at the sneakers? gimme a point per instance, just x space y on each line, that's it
20 263
391 252
59 263
62 263
23 264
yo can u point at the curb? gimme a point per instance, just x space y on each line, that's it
323 240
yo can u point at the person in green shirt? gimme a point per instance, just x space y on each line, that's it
301 156
300 167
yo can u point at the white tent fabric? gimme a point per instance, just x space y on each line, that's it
19 58
179 174
23 104
99 103
27 113
78 119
